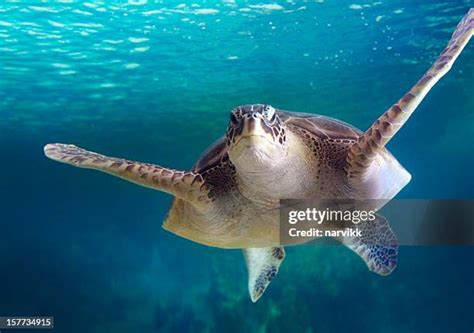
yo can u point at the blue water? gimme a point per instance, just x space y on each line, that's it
154 81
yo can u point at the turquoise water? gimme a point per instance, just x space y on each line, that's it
155 81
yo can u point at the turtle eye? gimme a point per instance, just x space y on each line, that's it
273 117
233 118
270 113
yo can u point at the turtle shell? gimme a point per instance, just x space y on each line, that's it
321 126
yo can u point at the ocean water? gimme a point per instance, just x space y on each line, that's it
154 81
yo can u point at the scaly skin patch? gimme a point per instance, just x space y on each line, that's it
262 266
189 186
378 246
383 129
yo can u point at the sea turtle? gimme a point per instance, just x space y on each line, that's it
230 199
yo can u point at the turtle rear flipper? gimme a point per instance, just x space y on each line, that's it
262 266
188 186
378 245
373 141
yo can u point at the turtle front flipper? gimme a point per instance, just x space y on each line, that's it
262 266
378 245
188 186
373 141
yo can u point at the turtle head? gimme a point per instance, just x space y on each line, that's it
255 137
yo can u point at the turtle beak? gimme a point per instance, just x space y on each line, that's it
254 130
253 144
